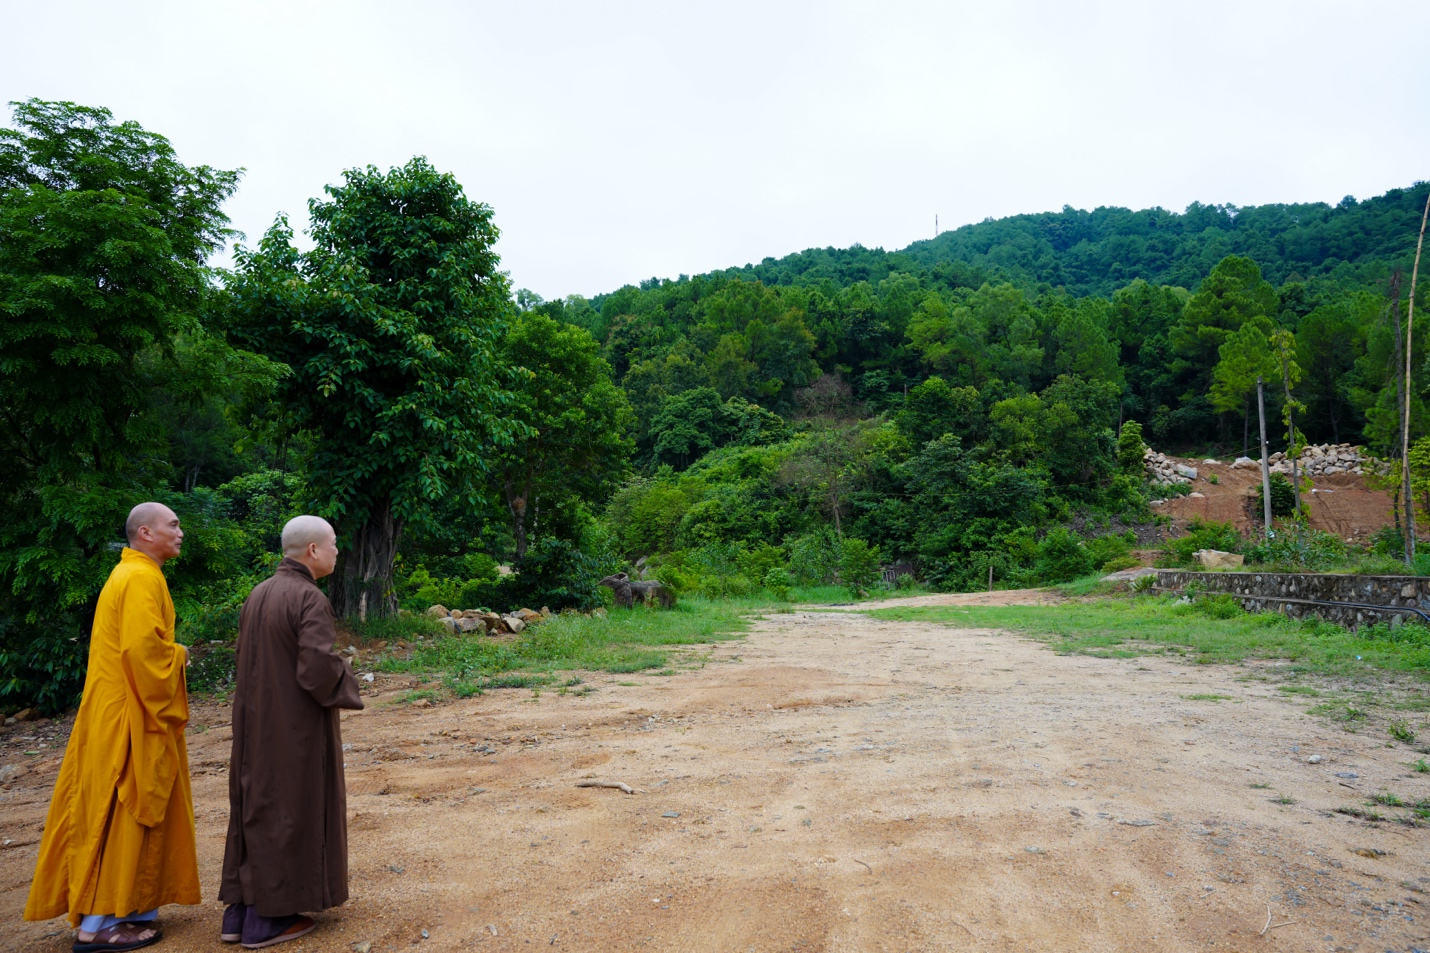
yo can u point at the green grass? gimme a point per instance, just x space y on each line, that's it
626 641
1207 697
1129 626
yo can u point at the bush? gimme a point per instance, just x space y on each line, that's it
555 574
1130 449
858 564
1106 549
1118 564
1201 534
1295 544
814 558
1061 556
1283 497
777 582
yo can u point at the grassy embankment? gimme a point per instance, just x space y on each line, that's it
639 640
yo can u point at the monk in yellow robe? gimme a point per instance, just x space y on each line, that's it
119 837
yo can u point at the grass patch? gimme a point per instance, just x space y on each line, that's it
1128 626
1401 731
1299 690
626 641
1207 697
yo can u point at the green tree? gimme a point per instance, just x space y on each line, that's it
1246 357
389 328
104 235
575 440
1233 294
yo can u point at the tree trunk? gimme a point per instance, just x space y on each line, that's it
362 580
516 505
1405 431
1265 466
1246 428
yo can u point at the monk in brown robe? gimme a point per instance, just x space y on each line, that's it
287 848
119 836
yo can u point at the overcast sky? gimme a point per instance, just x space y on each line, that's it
618 142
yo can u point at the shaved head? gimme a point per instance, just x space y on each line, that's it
145 514
300 531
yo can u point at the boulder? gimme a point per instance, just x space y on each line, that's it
528 616
1216 559
493 621
514 623
599 612
450 623
1196 496
438 612
1185 471
472 625
1241 463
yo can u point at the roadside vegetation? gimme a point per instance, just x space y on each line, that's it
1209 630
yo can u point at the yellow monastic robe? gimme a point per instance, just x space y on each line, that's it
119 837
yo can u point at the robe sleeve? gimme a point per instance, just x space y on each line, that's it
321 672
158 706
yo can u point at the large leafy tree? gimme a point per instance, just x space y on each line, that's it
575 440
389 326
104 235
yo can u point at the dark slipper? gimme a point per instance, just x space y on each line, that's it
279 930
232 929
121 936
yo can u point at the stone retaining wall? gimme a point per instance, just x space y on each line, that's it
1293 594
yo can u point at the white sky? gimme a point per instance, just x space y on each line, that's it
618 142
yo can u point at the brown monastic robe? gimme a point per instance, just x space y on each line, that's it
287 849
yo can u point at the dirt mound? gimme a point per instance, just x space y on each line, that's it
1340 503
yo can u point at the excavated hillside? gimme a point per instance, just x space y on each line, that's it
1340 503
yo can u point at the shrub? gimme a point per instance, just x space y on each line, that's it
1114 546
1283 497
1201 534
1061 556
556 574
777 582
1130 448
1118 564
858 563
814 558
1298 545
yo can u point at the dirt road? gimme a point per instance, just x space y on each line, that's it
834 783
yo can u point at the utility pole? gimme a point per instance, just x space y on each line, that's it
935 225
1265 466
1405 424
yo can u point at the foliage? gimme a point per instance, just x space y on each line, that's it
1131 451
1201 534
858 563
558 575
1283 497
573 442
1061 556
1296 546
389 328
104 341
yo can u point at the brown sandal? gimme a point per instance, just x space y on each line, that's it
124 935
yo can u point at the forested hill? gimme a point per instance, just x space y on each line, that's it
1100 251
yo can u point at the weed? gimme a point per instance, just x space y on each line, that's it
1386 799
1207 697
1283 799
1401 731
1260 786
1420 766
1299 690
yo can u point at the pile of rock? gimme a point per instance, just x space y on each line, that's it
487 623
1320 460
1163 469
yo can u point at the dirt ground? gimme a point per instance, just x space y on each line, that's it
1340 503
834 783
